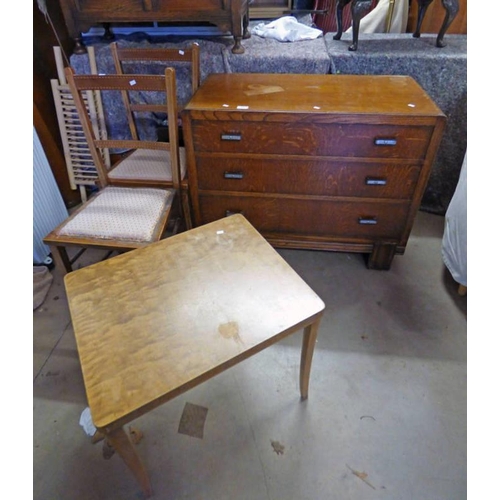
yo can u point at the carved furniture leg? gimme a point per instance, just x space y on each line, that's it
237 47
422 9
237 29
246 22
79 47
308 343
451 7
339 13
358 9
108 34
122 444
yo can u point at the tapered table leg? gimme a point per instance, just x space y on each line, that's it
308 343
122 444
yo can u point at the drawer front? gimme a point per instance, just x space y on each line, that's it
362 221
316 177
346 140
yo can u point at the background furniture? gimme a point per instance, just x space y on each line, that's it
434 18
228 15
128 211
327 162
212 297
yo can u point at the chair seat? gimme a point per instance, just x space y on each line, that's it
148 164
120 213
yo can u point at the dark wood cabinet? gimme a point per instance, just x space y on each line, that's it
228 15
326 162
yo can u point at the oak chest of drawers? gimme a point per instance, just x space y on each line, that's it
325 162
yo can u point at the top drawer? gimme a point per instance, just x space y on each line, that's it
312 139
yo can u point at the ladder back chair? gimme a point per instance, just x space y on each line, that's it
125 57
186 62
126 214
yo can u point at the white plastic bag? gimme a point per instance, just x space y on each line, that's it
86 422
286 29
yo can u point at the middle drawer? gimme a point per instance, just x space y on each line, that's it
303 176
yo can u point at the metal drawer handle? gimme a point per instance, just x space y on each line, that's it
375 181
233 212
367 221
385 141
233 175
230 137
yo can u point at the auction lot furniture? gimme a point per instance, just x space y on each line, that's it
228 15
155 322
324 162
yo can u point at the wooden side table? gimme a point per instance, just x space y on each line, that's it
155 322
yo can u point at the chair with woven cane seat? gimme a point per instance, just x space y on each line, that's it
186 62
129 214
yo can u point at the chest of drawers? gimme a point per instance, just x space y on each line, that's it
324 162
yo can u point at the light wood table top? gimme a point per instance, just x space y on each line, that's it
152 323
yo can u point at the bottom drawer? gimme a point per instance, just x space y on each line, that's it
355 220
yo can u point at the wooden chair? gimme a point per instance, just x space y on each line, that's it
188 58
124 214
172 57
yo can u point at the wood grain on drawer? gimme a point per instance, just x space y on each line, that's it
303 176
359 220
319 139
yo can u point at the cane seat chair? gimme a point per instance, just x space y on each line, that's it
121 217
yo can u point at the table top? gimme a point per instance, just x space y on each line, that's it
154 322
313 94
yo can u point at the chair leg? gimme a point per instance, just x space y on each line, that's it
186 209
61 259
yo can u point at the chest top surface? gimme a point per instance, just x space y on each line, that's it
332 94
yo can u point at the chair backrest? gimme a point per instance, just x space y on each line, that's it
169 56
165 85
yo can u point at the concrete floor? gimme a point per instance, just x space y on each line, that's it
386 416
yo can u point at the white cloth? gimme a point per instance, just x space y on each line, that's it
376 20
454 247
286 29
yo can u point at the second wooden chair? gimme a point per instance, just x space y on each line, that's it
127 212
